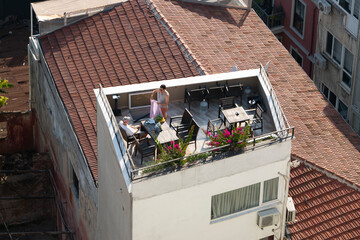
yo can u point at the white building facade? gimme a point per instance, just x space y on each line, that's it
239 196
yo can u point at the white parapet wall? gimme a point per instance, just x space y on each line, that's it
178 205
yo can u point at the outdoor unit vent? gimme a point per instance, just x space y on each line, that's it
320 61
268 217
290 210
324 6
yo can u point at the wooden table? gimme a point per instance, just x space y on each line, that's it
235 115
166 135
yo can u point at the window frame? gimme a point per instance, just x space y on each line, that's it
347 87
292 49
352 8
293 11
260 201
338 102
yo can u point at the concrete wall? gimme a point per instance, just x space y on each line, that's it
178 205
54 134
305 45
331 76
115 206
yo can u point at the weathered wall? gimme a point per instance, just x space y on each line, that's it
54 133
331 76
19 132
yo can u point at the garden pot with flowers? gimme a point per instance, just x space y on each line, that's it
235 138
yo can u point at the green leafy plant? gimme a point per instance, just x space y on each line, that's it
158 118
174 150
4 84
236 138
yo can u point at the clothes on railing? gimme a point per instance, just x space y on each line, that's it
154 109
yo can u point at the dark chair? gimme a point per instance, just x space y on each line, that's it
196 95
129 139
144 148
234 90
257 121
216 92
184 134
226 103
215 125
178 123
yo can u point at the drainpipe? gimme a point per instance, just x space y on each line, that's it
286 177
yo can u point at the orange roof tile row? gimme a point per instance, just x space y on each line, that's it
221 38
325 208
125 45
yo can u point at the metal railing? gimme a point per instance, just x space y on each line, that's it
126 157
280 116
271 20
252 143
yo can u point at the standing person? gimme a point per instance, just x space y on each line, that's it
163 99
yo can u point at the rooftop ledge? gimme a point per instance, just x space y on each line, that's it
276 128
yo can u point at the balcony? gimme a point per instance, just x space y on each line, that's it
272 17
130 99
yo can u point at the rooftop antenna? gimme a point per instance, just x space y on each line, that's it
234 69
267 66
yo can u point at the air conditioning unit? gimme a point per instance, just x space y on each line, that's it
324 6
320 61
268 217
290 210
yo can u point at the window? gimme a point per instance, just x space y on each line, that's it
298 20
235 200
75 183
270 189
342 109
350 6
338 104
332 98
325 91
298 58
351 10
243 198
342 56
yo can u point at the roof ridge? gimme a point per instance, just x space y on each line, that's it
183 46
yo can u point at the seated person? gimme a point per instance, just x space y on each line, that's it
130 130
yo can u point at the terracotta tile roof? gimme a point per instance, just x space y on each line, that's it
325 208
220 38
125 45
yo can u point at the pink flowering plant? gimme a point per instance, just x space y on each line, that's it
235 138
174 150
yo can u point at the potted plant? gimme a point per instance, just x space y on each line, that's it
159 118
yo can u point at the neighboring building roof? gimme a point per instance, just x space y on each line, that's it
51 9
325 208
122 46
220 38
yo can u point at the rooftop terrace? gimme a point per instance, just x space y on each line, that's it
133 101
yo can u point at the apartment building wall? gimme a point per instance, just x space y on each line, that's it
178 205
330 80
300 41
54 134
